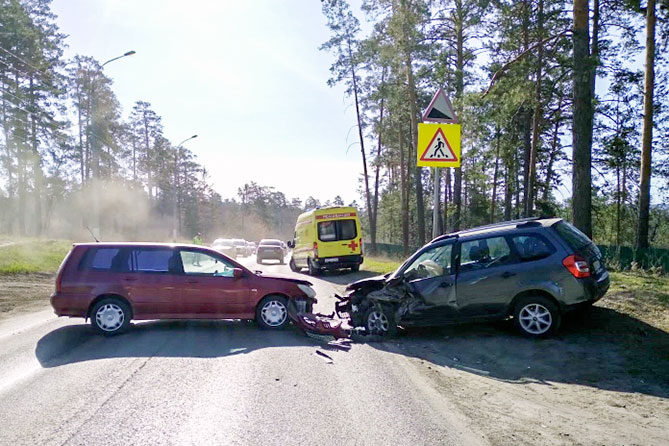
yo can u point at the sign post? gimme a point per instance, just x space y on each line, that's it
439 145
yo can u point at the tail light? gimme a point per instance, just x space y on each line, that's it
315 250
577 266
361 246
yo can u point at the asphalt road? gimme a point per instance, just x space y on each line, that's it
212 382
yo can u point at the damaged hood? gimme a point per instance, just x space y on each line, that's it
283 277
370 280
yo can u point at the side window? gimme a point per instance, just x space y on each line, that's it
104 259
204 264
484 253
531 247
147 260
432 263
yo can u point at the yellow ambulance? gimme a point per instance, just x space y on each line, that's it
327 238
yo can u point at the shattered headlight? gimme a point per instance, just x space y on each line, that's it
306 289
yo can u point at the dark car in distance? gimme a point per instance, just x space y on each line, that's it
532 270
270 249
112 283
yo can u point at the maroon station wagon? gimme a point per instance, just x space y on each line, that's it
112 283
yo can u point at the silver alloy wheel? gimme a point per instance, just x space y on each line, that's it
109 317
377 322
274 313
535 319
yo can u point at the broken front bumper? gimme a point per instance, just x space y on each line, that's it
321 325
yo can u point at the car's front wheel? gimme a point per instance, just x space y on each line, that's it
110 316
536 316
272 313
380 321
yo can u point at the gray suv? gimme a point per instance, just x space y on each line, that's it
532 270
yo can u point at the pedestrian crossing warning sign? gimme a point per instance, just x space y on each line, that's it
439 145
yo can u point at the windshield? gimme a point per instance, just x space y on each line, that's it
433 262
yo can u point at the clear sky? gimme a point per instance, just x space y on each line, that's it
246 76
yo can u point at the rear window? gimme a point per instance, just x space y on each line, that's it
270 243
101 259
333 230
572 236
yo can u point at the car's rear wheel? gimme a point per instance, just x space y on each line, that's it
536 316
313 269
272 313
355 268
293 266
380 321
110 316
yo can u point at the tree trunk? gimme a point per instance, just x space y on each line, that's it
508 190
413 108
582 121
647 133
36 166
536 121
493 202
9 159
404 196
459 91
368 198
375 204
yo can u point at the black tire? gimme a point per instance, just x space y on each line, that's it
380 321
313 270
293 266
355 268
536 316
272 313
110 316
259 260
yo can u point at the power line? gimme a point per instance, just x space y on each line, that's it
26 62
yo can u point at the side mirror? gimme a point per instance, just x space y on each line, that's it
237 273
291 244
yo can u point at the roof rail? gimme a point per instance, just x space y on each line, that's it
443 237
501 223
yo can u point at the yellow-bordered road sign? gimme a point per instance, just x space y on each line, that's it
439 145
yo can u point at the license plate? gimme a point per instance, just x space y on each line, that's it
332 260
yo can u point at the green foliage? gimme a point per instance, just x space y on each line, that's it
33 256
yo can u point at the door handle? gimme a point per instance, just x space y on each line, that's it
191 281
508 274
445 284
130 279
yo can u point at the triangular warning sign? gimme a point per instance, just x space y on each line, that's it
440 109
438 149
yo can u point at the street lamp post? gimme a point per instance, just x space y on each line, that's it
175 223
96 160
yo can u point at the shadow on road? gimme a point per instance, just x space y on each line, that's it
195 339
600 348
